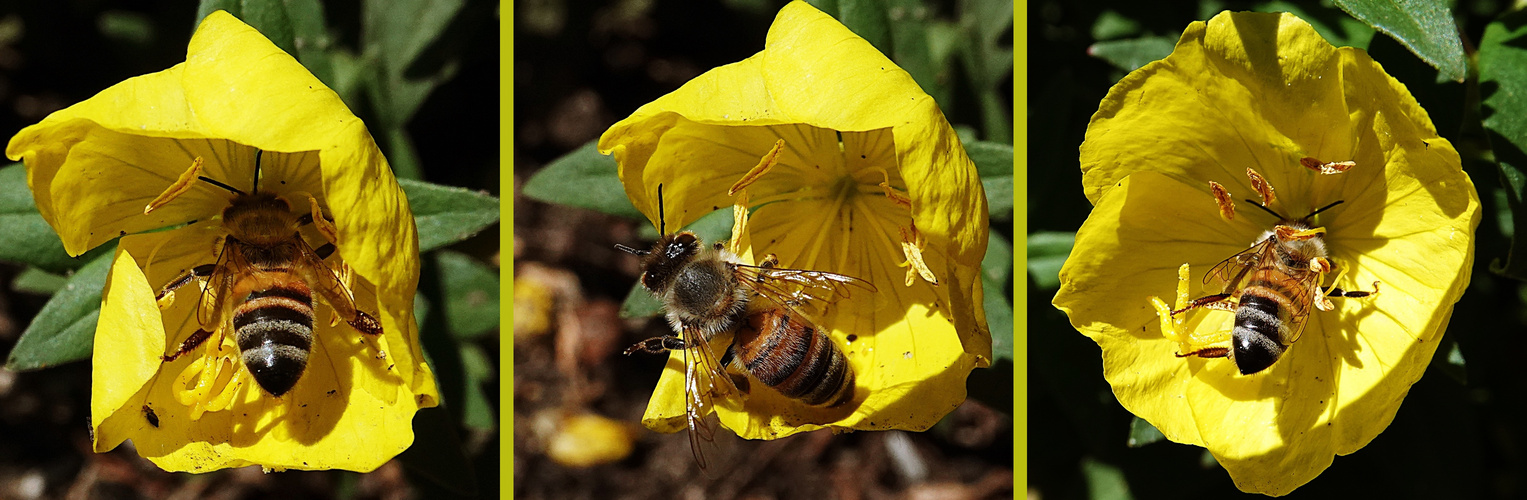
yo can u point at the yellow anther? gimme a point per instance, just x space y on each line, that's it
180 186
1260 184
1327 168
1222 198
323 225
912 247
764 164
739 222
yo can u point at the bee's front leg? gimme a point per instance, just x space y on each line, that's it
657 345
166 295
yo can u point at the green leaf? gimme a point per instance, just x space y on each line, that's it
1142 433
125 26
64 330
988 61
34 280
29 239
267 16
1111 24
585 179
447 214
994 163
1047 253
1455 367
997 265
1104 481
640 303
477 411
1131 54
999 318
1503 105
866 18
909 21
1338 29
396 33
471 294
1426 27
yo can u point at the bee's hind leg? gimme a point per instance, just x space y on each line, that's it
190 344
166 295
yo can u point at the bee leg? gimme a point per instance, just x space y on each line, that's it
191 343
1332 291
769 261
1219 301
325 250
166 296
657 345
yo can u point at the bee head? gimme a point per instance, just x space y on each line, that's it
666 255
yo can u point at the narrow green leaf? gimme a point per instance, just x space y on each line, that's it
585 179
1142 433
999 318
1426 27
1131 54
994 163
1047 253
1111 24
447 214
34 280
126 26
1455 367
477 412
64 330
471 294
1503 105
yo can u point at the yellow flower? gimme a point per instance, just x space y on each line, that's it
1265 92
238 107
869 181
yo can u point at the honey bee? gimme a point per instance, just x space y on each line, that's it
261 288
707 293
1270 287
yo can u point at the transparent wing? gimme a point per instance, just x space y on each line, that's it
701 370
321 279
214 298
800 290
1232 271
1308 284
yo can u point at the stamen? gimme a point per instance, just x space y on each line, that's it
1260 184
1288 233
739 222
764 164
323 225
1222 198
912 242
891 193
1326 168
180 186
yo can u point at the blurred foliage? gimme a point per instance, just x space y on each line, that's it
418 72
1457 433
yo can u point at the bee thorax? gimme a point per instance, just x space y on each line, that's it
705 293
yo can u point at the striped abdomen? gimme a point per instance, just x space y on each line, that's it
274 330
1271 305
785 352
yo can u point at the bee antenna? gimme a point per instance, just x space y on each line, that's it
1268 210
630 250
258 153
662 225
1324 208
221 185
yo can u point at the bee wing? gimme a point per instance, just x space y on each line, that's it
321 279
803 291
214 298
1308 283
701 371
1232 271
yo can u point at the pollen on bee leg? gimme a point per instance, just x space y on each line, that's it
1264 189
180 186
1222 198
764 164
1327 168
912 243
